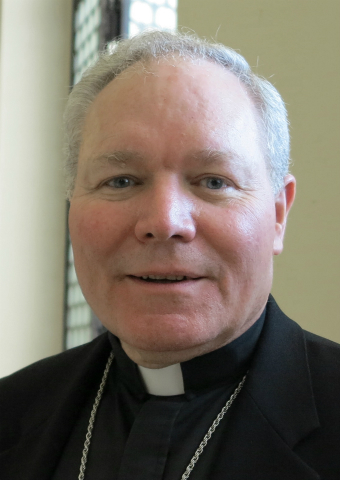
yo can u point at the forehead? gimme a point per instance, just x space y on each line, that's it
176 100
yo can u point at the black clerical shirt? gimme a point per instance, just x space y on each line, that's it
138 436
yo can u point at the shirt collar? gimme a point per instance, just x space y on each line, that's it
223 366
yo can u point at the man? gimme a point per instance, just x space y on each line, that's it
179 194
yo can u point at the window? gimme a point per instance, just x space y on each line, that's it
161 14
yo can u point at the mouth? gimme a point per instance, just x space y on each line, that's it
163 278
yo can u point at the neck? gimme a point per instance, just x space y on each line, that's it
156 360
222 366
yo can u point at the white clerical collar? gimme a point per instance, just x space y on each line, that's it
163 381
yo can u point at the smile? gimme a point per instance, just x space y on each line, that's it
163 278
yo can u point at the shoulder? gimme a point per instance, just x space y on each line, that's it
320 351
323 358
33 395
20 389
324 362
285 342
320 347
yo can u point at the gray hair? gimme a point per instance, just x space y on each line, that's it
156 45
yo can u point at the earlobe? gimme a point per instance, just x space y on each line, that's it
283 203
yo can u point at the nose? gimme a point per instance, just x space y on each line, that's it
164 213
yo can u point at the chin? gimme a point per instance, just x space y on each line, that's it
162 343
168 343
158 332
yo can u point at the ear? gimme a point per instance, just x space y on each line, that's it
283 202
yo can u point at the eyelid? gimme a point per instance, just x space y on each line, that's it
137 181
227 181
129 177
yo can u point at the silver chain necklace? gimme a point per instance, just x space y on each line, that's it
200 448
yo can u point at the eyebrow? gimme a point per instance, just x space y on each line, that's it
210 156
123 157
117 158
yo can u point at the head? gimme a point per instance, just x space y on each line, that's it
179 194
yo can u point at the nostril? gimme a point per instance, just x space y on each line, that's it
160 225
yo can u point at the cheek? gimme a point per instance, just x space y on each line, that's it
256 232
243 235
95 229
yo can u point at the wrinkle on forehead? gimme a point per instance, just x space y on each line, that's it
179 93
160 87
173 68
152 66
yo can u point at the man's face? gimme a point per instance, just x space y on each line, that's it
173 221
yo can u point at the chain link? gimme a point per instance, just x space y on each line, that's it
211 430
81 475
200 448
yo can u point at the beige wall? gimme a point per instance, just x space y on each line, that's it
34 83
297 44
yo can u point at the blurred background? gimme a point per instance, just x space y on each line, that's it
45 45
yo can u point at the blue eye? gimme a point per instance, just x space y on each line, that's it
121 182
214 183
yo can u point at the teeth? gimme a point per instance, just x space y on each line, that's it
162 277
